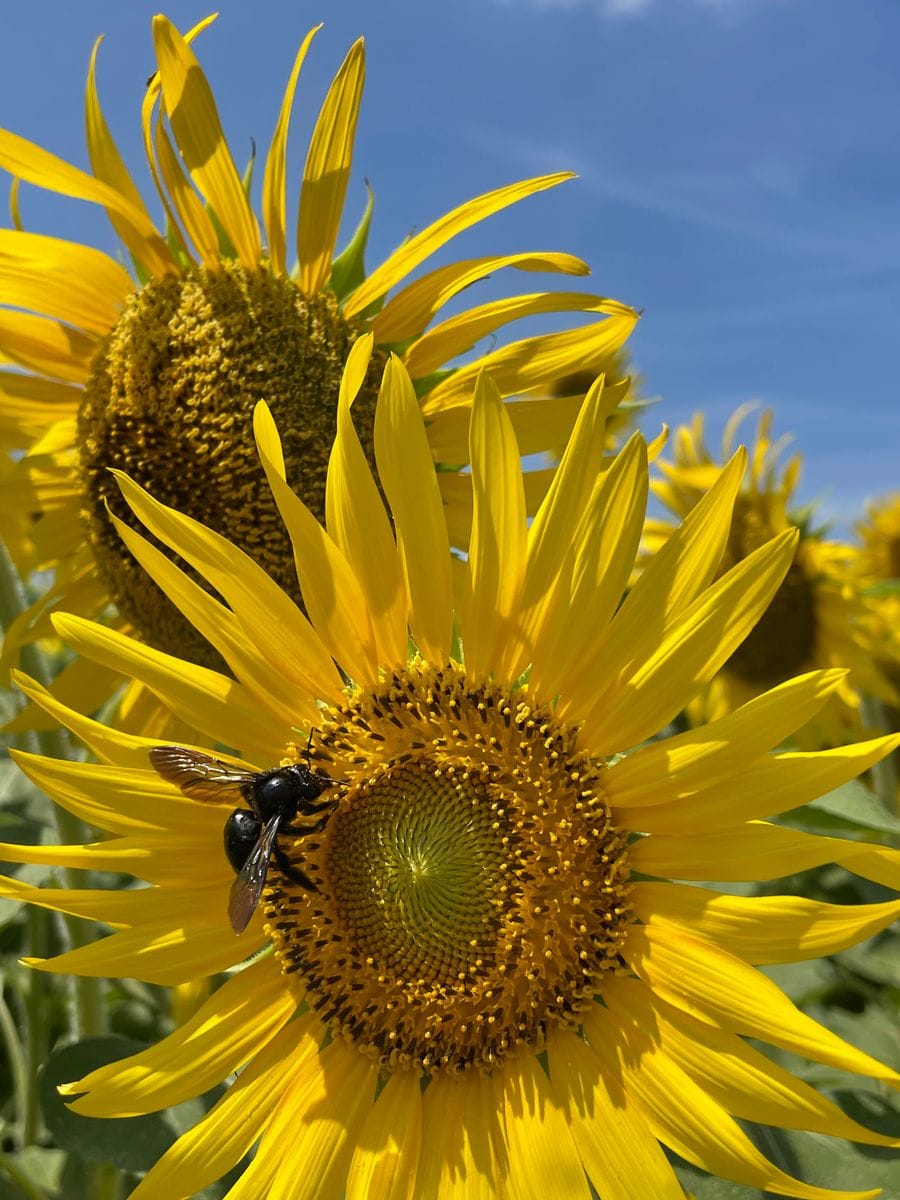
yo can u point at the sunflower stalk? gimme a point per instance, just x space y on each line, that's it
37 1047
884 774
17 1067
88 1018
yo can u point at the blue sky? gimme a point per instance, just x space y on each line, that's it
738 160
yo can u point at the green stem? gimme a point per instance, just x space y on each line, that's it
89 1016
884 773
17 1065
37 1006
20 1179
106 1182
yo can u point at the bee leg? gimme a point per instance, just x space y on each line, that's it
314 806
287 868
302 830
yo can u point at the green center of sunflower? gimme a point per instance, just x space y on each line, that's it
782 643
471 886
170 401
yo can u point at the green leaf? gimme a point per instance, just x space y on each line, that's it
349 269
852 807
706 1187
802 982
828 1162
132 1143
37 1167
877 959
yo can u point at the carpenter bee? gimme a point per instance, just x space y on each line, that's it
276 799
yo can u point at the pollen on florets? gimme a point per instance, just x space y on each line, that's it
170 402
471 885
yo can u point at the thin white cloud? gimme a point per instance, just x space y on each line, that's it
624 9
705 197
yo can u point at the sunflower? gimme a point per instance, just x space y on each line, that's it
492 986
879 533
878 578
817 617
155 369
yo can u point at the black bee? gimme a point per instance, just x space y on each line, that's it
276 799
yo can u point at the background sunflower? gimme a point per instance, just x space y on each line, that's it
817 618
155 369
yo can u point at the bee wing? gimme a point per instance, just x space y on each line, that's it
199 776
247 887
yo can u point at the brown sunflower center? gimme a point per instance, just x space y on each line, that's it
170 401
892 556
471 885
782 643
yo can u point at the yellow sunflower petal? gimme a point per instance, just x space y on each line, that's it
251 668
332 595
152 113
460 333
232 1026
273 188
356 519
672 579
407 314
622 1158
227 1132
741 1079
125 856
270 617
192 113
110 907
46 346
880 864
465 1158
117 800
108 165
183 201
205 699
327 171
497 550
109 745
414 251
771 784
549 543
603 547
677 766
80 682
161 952
29 403
763 929
407 475
386 1158
712 985
323 1120
77 284
690 651
697 1128
757 851
543 1161
520 366
29 162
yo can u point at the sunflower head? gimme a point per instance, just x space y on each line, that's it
816 617
879 533
170 401
490 966
471 886
156 373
